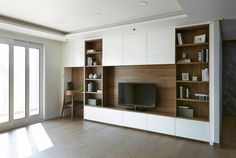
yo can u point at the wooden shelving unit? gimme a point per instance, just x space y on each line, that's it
191 49
94 67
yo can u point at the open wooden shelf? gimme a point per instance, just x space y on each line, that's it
94 66
203 82
193 63
193 44
98 79
193 100
93 53
93 93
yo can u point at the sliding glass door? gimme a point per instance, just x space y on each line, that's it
20 83
4 83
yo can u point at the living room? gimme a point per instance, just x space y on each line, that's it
136 78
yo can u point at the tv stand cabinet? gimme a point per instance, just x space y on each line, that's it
148 121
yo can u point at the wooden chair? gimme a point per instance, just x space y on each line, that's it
70 103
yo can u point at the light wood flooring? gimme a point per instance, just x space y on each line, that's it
84 139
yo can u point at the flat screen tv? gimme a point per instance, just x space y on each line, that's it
138 95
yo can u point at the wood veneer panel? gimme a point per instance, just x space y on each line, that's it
77 79
164 76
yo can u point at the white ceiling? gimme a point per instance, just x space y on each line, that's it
80 15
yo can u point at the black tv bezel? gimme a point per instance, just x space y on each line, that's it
135 106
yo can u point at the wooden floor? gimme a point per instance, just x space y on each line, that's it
83 139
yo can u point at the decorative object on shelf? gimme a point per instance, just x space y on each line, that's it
69 86
202 96
187 93
91 51
99 91
203 55
184 59
194 77
200 38
90 87
89 61
95 76
94 63
90 76
185 111
179 38
205 74
93 102
185 76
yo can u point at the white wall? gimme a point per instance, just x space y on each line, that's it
52 67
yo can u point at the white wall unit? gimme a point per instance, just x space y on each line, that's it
135 49
112 51
134 120
161 46
68 55
198 130
161 124
93 113
112 116
78 54
73 54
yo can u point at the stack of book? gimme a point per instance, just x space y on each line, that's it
205 74
185 111
203 55
89 61
183 92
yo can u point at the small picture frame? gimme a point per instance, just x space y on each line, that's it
185 76
200 38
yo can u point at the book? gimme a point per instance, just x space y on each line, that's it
203 55
179 38
205 74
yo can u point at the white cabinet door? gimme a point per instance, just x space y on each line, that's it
78 54
92 113
161 124
161 47
112 116
135 49
192 129
112 51
134 120
68 55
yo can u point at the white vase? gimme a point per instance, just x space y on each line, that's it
95 76
90 76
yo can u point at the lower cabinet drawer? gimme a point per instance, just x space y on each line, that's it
198 130
134 120
161 124
112 116
93 113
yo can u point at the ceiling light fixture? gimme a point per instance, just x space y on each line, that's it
142 3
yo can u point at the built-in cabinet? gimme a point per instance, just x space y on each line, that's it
151 49
73 54
192 129
135 49
112 51
161 46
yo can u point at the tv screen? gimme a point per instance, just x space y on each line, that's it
137 94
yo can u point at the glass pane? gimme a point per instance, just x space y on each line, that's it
33 81
19 82
4 83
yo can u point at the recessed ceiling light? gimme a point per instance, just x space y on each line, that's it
95 14
142 3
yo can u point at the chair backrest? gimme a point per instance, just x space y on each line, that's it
69 93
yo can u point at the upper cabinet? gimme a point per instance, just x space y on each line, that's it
112 51
134 49
161 47
73 54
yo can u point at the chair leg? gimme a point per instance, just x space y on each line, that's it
62 110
